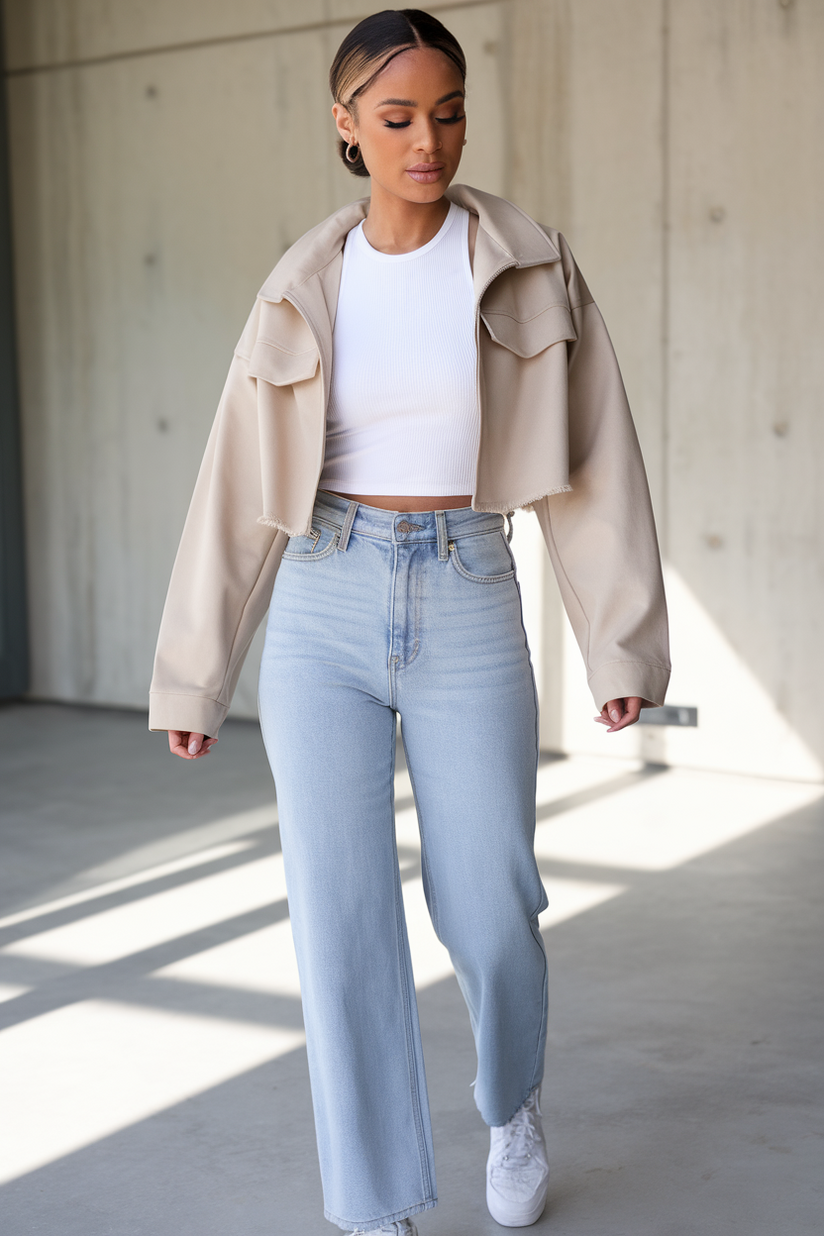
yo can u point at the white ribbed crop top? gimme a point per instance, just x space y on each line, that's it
403 410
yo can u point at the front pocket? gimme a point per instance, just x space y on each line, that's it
279 367
527 338
485 558
321 542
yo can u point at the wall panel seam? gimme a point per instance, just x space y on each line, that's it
253 36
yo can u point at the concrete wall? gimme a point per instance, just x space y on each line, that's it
164 153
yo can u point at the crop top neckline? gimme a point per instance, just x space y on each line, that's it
357 237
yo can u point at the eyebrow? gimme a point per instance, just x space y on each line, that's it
455 94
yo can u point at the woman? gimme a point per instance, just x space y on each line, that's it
416 367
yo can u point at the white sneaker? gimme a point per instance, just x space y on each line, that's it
517 1171
401 1227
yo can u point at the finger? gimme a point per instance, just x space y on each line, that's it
178 743
611 714
195 744
632 712
204 747
190 746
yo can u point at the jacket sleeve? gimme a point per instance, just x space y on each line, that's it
223 574
601 535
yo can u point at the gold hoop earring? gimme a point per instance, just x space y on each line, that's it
349 159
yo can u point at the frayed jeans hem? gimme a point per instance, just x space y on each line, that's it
372 1225
493 1124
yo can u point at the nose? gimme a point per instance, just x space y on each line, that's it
428 139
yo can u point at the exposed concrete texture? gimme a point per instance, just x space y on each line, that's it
165 154
154 1076
152 197
57 32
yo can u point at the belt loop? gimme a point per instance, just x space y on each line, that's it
348 520
509 528
443 543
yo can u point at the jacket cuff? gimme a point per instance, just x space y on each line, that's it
619 679
193 714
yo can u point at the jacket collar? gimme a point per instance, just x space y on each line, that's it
506 237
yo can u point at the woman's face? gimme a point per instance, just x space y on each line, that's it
410 125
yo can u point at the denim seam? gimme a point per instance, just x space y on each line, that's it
392 684
537 1062
537 1068
346 527
443 536
407 978
454 558
465 536
432 540
413 610
411 1063
335 525
312 556
433 904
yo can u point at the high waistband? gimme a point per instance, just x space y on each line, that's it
402 527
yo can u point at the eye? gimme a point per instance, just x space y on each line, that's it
397 124
451 119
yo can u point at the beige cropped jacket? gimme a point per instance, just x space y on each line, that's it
556 436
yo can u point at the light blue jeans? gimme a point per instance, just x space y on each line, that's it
373 615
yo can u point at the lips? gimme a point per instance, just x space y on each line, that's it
425 173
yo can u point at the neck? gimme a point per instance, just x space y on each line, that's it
394 225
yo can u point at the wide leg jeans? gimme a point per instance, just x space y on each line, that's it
376 614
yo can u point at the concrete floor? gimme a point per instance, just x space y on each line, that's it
153 1072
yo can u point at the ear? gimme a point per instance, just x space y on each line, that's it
345 123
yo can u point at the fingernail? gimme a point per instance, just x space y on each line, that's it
192 748
615 714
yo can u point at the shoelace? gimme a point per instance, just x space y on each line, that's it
519 1135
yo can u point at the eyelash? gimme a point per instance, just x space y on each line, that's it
404 124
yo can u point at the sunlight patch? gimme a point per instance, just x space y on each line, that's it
82 1073
570 897
263 961
131 881
159 918
662 821
10 991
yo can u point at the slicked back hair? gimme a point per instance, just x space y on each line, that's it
368 49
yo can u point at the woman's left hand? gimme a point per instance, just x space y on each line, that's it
618 714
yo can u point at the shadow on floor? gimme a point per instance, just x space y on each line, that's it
683 1088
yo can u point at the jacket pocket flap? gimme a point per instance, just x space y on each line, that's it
280 368
529 338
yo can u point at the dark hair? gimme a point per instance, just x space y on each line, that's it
368 48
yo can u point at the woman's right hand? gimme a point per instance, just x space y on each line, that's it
189 746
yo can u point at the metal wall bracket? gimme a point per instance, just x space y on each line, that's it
670 714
